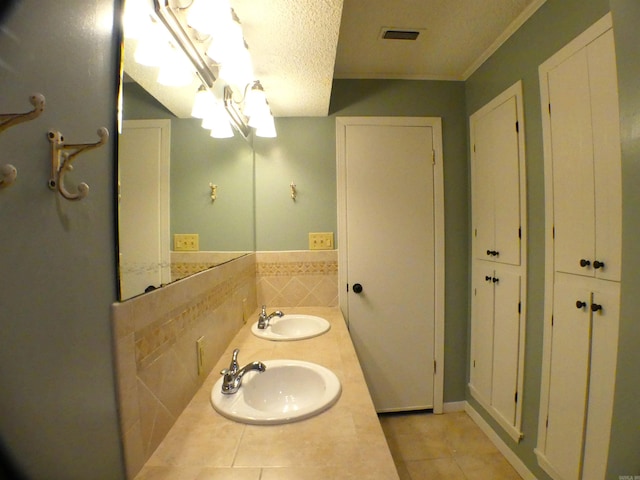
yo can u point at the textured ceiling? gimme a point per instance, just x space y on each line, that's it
293 48
299 46
456 36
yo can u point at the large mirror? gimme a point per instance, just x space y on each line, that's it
176 180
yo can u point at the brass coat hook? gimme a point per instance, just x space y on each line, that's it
61 157
10 119
8 174
214 191
294 192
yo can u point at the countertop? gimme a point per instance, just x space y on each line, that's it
344 442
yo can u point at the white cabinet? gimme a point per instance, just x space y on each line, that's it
583 223
496 183
495 339
499 264
585 144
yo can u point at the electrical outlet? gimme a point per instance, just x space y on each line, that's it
200 354
186 242
321 241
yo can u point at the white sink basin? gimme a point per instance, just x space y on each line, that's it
292 327
288 391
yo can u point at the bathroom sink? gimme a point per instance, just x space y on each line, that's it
292 327
287 391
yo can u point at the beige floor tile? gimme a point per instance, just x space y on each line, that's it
487 467
167 473
448 446
437 469
229 474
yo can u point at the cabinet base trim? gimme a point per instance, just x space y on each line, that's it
513 431
504 449
545 465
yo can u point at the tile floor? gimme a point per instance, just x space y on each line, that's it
449 446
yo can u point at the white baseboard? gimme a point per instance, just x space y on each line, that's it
450 407
511 457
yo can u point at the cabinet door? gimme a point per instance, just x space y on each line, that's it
569 374
604 354
607 162
482 331
572 150
496 185
506 341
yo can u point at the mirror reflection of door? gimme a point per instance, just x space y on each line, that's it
143 174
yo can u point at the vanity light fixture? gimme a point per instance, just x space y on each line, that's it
199 40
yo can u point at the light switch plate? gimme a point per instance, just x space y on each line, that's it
186 242
321 241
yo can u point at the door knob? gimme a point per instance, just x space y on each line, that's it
595 307
598 264
357 288
580 304
584 263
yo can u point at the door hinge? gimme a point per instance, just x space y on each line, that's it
433 157
474 147
515 399
474 363
552 320
517 127
553 232
519 307
549 108
547 423
519 232
435 365
347 287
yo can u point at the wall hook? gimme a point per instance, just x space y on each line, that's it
61 157
8 174
214 191
10 119
294 193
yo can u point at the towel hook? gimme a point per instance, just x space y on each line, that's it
8 172
214 191
10 119
294 192
61 157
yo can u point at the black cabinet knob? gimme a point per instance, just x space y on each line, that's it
584 263
357 288
487 278
580 304
495 279
595 307
493 253
598 264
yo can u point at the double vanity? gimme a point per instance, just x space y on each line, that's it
301 409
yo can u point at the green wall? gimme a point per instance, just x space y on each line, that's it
197 160
303 153
624 451
547 31
58 413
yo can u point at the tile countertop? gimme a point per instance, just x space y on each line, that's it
344 442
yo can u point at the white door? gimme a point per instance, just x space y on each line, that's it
390 255
143 170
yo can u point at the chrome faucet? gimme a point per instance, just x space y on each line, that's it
263 319
232 379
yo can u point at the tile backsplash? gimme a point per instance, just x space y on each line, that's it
155 334
302 278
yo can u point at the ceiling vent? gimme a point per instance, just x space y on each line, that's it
399 34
